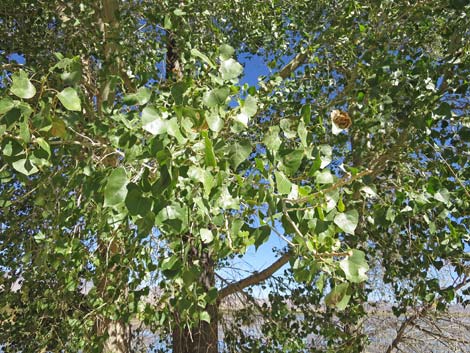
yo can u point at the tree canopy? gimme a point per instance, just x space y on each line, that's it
135 164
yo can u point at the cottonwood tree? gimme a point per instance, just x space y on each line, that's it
133 157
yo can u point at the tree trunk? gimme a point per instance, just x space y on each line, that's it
203 337
119 339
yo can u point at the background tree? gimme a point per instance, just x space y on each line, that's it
132 157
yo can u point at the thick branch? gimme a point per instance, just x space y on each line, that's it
256 278
287 70
293 65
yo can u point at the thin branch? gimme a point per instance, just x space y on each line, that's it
450 168
342 182
280 235
440 335
421 312
401 331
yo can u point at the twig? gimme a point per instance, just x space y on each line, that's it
281 236
342 182
450 168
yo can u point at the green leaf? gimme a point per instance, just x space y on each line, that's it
6 104
58 128
22 86
288 128
324 177
136 203
250 106
216 97
442 195
206 235
204 316
198 54
177 91
154 121
141 97
226 200
355 267
240 152
341 206
226 52
326 153
242 119
292 160
230 69
214 122
284 186
338 296
179 12
209 151
303 133
167 22
115 191
25 166
173 129
24 131
69 99
44 145
347 221
272 139
306 113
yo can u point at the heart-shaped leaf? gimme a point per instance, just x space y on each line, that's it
230 69
22 86
355 267
115 191
347 221
69 99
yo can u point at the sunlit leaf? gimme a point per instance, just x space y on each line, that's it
209 151
69 99
338 296
198 54
226 52
216 97
22 86
230 69
355 267
284 186
206 235
25 166
347 221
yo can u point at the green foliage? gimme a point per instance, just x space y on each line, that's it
119 178
69 98
22 86
115 190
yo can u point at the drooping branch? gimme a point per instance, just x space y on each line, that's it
255 278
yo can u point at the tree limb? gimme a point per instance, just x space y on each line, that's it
293 65
255 278
288 69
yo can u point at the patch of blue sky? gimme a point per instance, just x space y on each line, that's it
16 57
